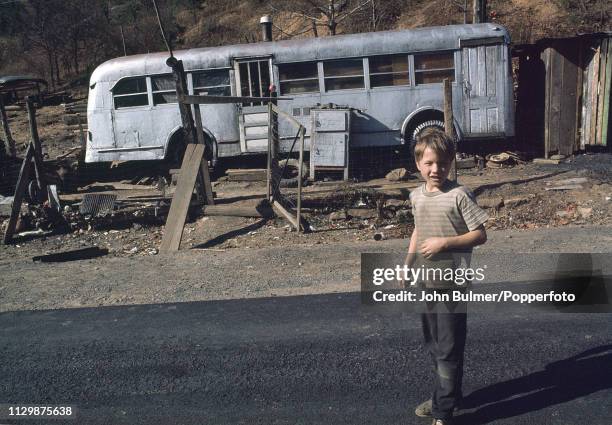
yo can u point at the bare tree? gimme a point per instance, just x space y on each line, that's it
321 13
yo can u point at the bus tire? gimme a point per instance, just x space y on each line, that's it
176 151
290 175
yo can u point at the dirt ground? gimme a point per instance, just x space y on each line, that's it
521 197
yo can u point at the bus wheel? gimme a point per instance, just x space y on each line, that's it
175 153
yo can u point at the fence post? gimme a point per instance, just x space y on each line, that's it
299 193
38 158
269 158
448 123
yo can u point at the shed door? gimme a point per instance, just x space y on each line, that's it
253 79
483 89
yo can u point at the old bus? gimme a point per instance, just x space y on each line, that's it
392 79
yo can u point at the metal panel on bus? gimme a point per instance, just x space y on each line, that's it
330 121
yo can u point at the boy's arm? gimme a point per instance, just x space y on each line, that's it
432 246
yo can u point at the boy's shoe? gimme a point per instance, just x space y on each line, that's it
423 410
442 422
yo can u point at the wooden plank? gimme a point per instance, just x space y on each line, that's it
607 94
556 94
22 182
580 96
247 175
546 161
547 89
601 92
567 121
280 210
173 231
261 209
594 96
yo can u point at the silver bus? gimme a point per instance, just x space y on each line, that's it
392 79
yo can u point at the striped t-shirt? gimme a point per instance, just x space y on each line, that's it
451 211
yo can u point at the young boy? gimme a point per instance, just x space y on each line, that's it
447 221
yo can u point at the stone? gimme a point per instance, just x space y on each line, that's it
514 201
338 215
361 213
558 157
585 212
494 202
562 213
397 175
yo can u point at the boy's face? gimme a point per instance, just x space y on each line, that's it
434 169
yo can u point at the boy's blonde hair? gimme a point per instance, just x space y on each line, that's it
437 141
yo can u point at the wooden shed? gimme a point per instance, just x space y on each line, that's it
563 96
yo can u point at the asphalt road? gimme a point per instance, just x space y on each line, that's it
317 359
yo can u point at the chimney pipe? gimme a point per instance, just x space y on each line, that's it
266 27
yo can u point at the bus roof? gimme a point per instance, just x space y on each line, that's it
297 50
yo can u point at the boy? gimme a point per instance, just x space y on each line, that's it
447 222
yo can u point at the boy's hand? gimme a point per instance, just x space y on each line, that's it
432 246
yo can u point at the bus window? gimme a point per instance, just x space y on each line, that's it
164 89
298 78
434 67
130 92
254 80
212 82
343 74
390 70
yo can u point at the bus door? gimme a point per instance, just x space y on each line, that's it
483 89
253 79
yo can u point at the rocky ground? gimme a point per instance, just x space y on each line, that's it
575 192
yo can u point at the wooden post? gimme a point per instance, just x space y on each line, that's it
299 191
475 11
483 11
269 158
38 159
275 175
448 123
479 11
181 91
10 143
190 132
22 183
203 174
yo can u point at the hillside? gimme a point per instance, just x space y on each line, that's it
61 40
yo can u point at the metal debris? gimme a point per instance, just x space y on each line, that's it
96 204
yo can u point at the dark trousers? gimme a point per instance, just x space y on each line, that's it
445 335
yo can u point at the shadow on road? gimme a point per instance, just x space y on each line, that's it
232 234
560 382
